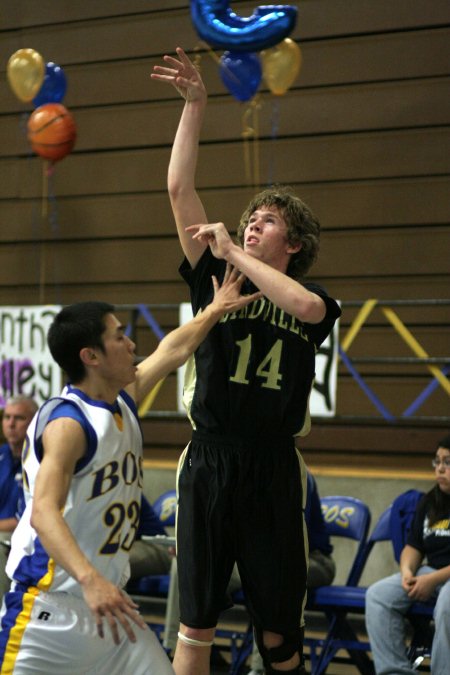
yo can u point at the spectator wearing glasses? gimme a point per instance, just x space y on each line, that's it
389 599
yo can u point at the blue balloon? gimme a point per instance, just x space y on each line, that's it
53 87
241 73
221 28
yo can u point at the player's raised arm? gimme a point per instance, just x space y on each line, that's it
186 204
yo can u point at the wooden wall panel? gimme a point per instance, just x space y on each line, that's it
391 203
109 38
391 287
140 260
23 13
396 395
368 58
387 250
362 135
55 292
353 156
117 37
117 260
340 109
379 341
330 445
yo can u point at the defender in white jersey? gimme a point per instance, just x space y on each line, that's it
66 611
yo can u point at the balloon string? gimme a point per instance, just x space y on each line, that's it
256 108
250 132
250 129
246 132
198 57
47 171
44 214
42 273
275 123
53 222
44 208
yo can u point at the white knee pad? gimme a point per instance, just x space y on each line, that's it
192 642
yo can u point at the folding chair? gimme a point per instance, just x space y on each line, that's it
165 507
157 585
240 642
350 518
345 517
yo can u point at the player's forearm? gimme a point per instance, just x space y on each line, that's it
183 159
183 341
186 204
285 292
410 560
59 542
172 352
8 524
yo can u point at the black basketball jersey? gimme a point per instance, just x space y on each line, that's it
253 373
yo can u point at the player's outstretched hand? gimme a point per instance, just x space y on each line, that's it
228 295
110 604
183 75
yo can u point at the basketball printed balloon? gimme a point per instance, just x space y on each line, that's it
52 131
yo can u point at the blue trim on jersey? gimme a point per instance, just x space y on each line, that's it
130 402
14 606
71 410
114 408
93 402
102 404
33 567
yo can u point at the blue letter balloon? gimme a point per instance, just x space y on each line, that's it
241 73
54 86
221 28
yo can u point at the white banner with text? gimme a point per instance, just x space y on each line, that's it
26 365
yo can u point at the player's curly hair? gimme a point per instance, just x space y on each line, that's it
302 225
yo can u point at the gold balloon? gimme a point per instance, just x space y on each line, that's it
281 65
25 71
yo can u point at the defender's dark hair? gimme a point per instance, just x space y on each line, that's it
74 327
302 225
438 502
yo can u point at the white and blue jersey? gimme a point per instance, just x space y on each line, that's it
46 625
103 505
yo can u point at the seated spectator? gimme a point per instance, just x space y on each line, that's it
389 599
17 415
147 557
